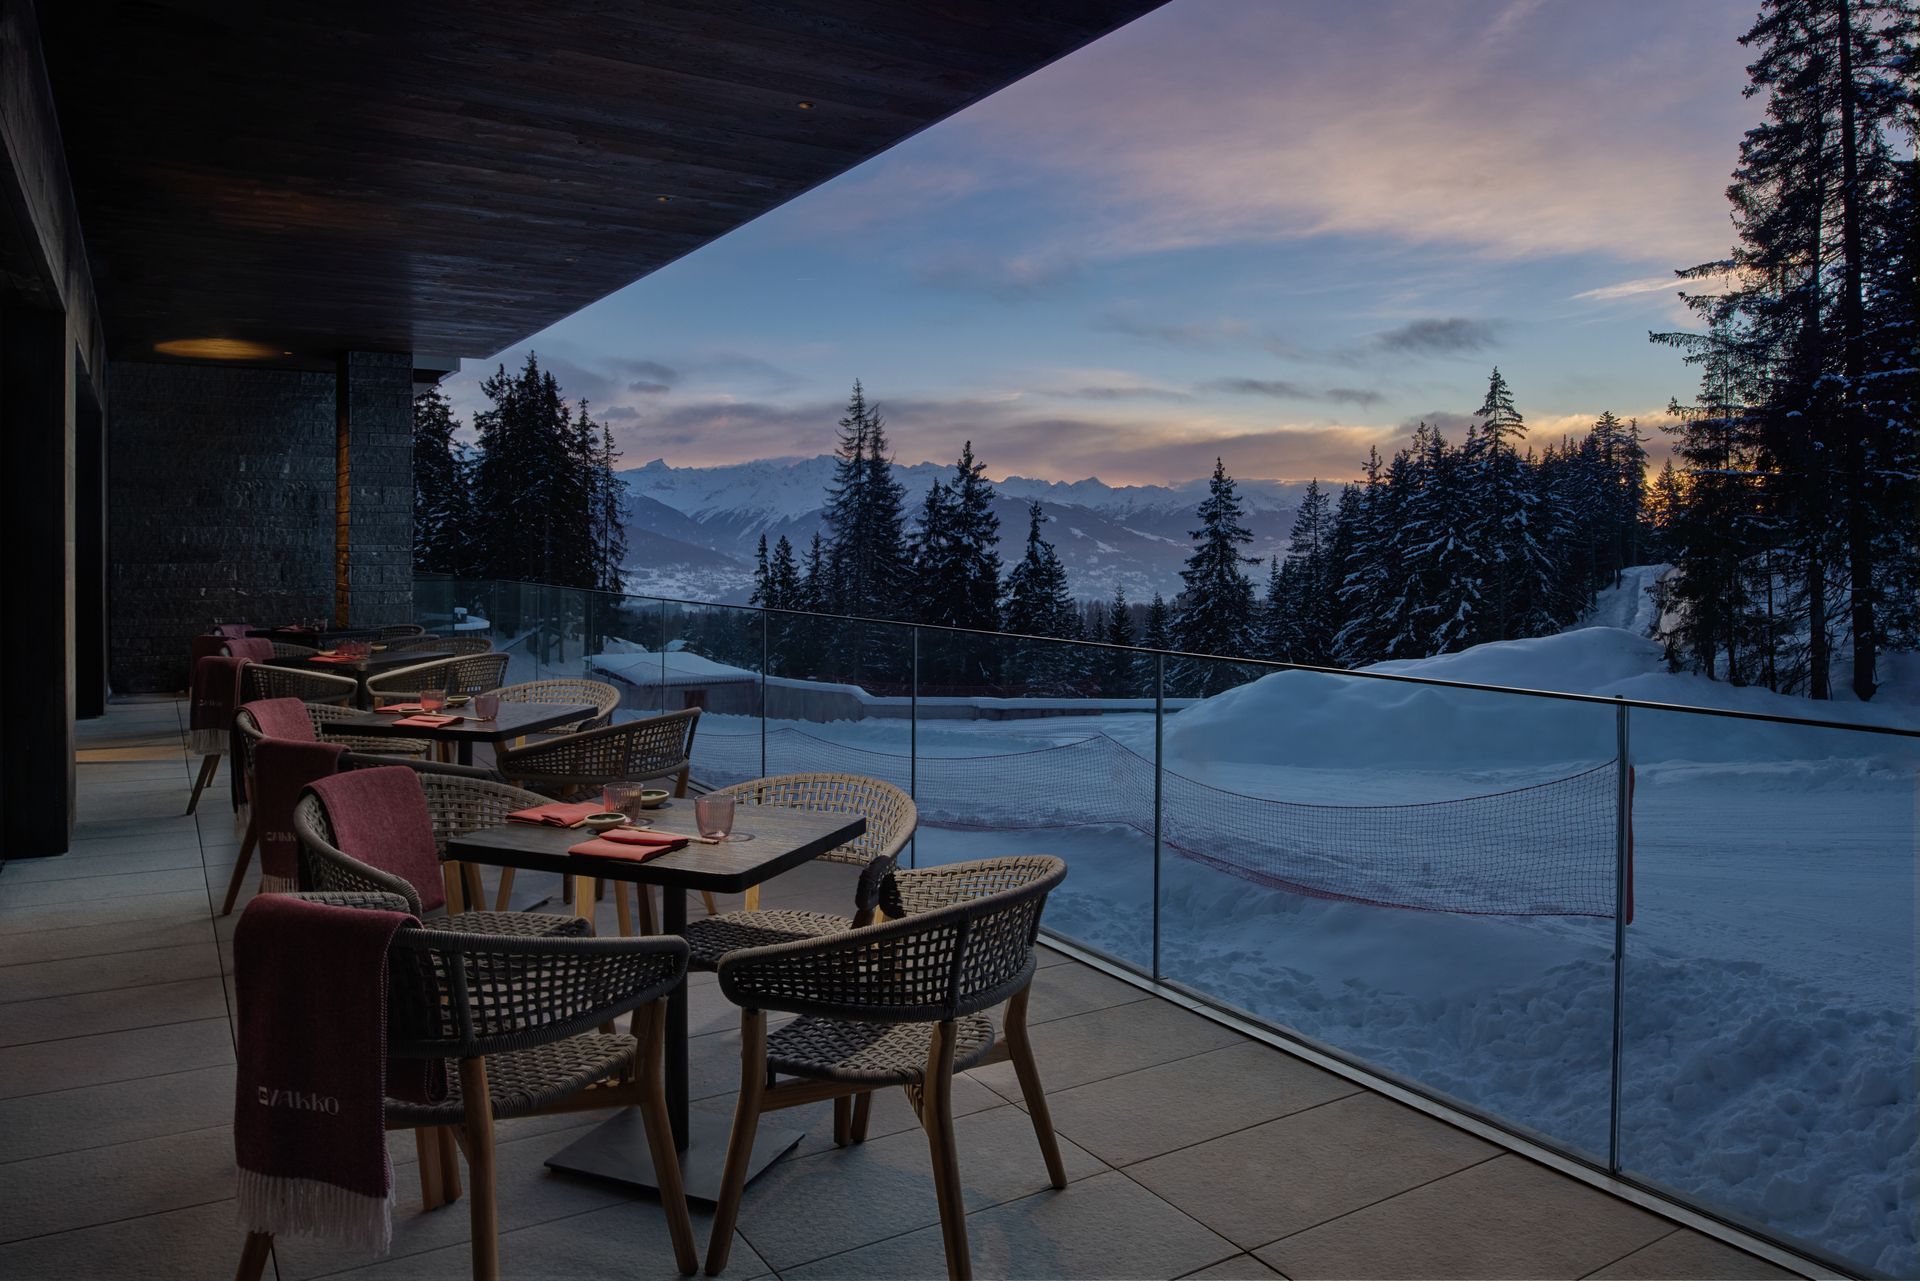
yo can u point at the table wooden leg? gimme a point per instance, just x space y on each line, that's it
673 913
583 903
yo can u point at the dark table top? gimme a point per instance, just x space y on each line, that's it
783 839
308 635
514 720
379 662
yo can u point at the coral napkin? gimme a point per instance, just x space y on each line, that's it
558 814
626 843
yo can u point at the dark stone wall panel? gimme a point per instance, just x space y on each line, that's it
221 507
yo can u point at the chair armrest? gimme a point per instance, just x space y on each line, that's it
900 971
913 891
365 901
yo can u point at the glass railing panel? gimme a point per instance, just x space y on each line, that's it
839 698
1420 878
1768 1069
1021 749
711 659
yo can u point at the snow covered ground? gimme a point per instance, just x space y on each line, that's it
1768 1065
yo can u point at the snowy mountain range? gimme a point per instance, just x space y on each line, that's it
691 531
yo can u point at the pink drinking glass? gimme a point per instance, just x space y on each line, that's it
713 816
486 706
432 700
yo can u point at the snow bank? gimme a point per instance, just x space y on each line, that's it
1306 719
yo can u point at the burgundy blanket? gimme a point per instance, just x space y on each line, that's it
380 817
309 1125
282 768
207 646
215 695
281 718
254 650
232 629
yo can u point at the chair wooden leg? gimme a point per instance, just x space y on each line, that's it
653 1111
752 903
713 908
253 1256
623 909
936 1114
862 1110
481 1206
426 1142
1020 1050
240 867
505 893
451 887
472 892
209 764
447 1137
647 921
746 1122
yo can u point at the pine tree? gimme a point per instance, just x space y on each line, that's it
1116 674
1368 569
1279 633
760 594
442 496
610 514
1038 604
1307 591
1216 612
1501 532
784 588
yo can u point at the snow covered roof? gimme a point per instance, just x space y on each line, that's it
642 667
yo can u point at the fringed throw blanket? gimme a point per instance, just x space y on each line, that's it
282 768
276 718
380 817
309 1129
254 650
215 695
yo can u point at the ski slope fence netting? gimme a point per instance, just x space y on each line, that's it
1546 849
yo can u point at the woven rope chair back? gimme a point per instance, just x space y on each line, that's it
287 649
400 631
938 965
326 868
261 681
633 750
890 813
604 697
477 672
453 995
457 645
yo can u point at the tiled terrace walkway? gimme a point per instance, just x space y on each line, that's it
1194 1152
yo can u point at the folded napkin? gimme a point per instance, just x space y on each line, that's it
330 658
429 722
625 842
401 709
558 814
380 816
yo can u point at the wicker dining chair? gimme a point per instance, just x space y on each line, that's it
476 671
604 697
900 1003
456 645
261 681
523 1019
657 747
891 819
458 804
287 649
401 631
247 734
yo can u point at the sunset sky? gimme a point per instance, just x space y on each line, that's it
1276 230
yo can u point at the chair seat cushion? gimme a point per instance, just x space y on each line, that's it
712 937
871 1053
524 1081
518 924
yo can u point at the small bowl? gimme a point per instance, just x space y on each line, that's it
604 822
653 798
458 700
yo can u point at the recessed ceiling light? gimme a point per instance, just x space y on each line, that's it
217 349
804 106
663 199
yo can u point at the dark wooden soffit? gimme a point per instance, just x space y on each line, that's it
451 176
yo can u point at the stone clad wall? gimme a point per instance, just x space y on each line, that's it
222 502
378 391
220 506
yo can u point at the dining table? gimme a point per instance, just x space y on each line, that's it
512 720
782 838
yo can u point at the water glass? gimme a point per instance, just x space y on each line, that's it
486 706
625 798
432 700
713 815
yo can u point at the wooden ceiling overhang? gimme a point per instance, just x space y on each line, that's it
451 176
